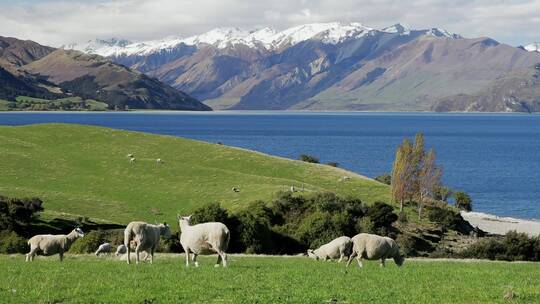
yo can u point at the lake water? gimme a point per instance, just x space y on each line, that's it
494 157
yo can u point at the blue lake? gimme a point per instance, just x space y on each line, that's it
494 157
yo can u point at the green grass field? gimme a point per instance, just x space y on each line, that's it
84 171
87 279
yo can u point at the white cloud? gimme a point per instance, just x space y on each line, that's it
56 22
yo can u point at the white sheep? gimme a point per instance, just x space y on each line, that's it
104 248
146 236
337 248
49 244
158 161
132 160
130 155
374 247
204 239
121 251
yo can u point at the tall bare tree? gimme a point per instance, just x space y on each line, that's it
429 179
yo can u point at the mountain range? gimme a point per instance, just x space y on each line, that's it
32 70
337 66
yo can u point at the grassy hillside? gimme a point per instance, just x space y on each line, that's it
84 170
84 279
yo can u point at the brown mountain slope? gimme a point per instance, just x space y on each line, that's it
87 76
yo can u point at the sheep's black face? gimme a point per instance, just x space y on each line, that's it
79 231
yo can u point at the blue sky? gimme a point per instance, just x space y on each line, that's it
56 22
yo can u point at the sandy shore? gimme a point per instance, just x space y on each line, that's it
501 225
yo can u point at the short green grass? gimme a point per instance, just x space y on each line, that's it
84 170
87 279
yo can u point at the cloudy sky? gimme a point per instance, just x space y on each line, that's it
55 22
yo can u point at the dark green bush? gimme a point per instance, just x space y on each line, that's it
309 158
212 212
446 218
17 213
11 242
381 214
463 201
513 246
384 178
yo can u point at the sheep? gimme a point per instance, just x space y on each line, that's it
203 239
48 244
235 189
158 161
103 248
374 247
338 248
121 251
130 155
146 237
344 178
132 160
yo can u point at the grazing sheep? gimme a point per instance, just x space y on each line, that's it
49 244
203 239
158 161
338 248
104 248
132 160
374 247
146 236
130 155
234 189
344 178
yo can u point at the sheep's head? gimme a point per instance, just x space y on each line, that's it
183 218
400 259
165 230
312 254
79 232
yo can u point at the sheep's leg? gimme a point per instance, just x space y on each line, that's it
194 259
359 260
223 256
187 256
382 262
137 251
61 254
341 255
351 257
152 255
128 252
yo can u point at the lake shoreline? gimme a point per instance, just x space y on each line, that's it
500 224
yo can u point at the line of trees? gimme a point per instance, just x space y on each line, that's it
415 174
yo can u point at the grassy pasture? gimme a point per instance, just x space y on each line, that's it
84 171
250 279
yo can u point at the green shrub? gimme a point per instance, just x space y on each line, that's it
446 218
381 214
11 242
366 225
513 246
463 201
309 158
17 213
406 244
212 212
384 178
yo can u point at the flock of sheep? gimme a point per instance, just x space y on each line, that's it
213 238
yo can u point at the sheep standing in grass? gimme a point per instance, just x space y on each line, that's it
146 236
338 248
158 161
203 239
49 244
374 247
132 160
103 248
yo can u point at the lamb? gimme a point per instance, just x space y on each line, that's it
146 237
104 248
48 244
203 239
374 247
121 251
338 248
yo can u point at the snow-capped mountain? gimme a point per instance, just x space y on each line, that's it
267 38
533 47
337 66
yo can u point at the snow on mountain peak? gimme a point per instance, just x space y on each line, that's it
533 47
266 38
